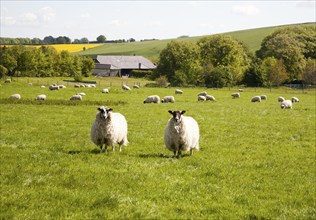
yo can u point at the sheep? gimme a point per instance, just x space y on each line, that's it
286 104
7 81
105 91
295 99
41 97
108 129
77 86
62 86
126 87
201 98
235 95
281 99
54 87
81 93
43 87
178 91
263 97
181 134
152 99
256 99
240 90
15 96
210 98
202 94
76 97
136 86
167 99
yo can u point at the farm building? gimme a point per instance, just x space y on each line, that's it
120 65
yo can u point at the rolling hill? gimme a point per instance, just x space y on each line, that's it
151 49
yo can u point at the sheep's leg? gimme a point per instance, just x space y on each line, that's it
174 154
106 148
120 148
179 154
191 152
113 148
100 149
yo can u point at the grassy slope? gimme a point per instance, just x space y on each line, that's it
256 160
151 49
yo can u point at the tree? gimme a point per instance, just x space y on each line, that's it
3 71
218 77
101 39
7 61
87 66
309 73
254 76
223 50
274 71
84 40
49 40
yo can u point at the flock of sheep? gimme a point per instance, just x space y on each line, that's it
181 133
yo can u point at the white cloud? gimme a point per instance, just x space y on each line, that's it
245 9
117 23
153 24
46 14
306 4
85 15
28 19
8 21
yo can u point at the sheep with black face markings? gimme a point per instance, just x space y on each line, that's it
167 99
181 133
286 104
109 128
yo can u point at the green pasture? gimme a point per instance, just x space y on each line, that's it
257 161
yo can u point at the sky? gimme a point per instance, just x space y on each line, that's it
159 19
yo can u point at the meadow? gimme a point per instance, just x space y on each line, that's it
256 161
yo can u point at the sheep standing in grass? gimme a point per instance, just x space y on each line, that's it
181 133
109 128
167 99
136 86
295 99
41 97
256 99
263 97
152 99
210 98
281 99
105 91
7 81
178 91
125 87
15 96
236 95
286 104
202 94
54 87
76 98
201 98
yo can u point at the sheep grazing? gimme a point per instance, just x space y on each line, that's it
235 95
76 98
181 133
43 87
41 97
109 128
136 86
77 86
81 93
202 94
152 99
286 104
15 96
295 99
178 91
54 87
263 97
240 90
125 87
7 81
62 86
256 99
281 99
105 91
167 99
201 98
210 98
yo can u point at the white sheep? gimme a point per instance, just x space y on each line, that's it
126 87
263 97
210 98
105 91
152 99
295 99
240 90
201 98
281 99
167 99
256 99
202 94
77 86
286 104
15 96
43 87
54 87
181 133
76 97
136 86
81 93
62 86
109 128
41 97
178 91
7 81
236 95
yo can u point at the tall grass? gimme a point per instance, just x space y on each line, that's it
256 160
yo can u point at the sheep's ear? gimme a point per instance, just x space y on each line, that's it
109 109
170 112
182 112
100 109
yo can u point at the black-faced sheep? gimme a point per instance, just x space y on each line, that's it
286 104
167 99
109 128
256 99
295 99
236 95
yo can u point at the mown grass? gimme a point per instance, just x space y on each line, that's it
256 160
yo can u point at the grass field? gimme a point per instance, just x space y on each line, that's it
256 161
151 49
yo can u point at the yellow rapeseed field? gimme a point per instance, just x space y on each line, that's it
72 48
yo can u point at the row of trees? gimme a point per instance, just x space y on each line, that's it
44 61
286 55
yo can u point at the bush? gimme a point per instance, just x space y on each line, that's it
162 81
141 73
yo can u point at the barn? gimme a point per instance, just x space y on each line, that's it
121 66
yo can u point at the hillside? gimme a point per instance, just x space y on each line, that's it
151 49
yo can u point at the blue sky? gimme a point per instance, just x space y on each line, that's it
145 19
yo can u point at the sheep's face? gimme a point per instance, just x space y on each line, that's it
176 115
104 112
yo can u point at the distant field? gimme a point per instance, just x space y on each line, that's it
256 161
72 48
151 49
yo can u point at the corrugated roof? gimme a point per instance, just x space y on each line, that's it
126 62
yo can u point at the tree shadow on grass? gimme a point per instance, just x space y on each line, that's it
157 155
93 151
